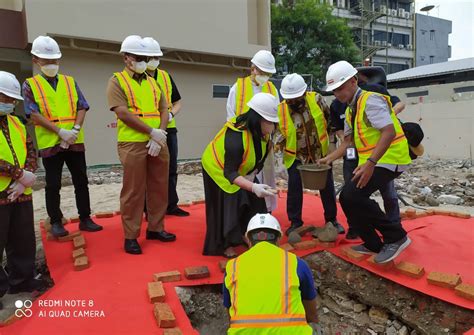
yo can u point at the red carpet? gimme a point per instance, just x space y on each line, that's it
116 282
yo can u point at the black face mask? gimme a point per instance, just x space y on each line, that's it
297 104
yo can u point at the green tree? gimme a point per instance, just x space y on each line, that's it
307 38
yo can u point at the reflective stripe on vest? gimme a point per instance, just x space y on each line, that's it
366 137
214 154
263 285
288 129
244 92
143 102
164 81
58 106
18 140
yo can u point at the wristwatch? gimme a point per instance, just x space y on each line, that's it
77 127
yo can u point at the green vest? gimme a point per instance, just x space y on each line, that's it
18 140
58 106
244 92
164 81
264 292
213 157
143 102
288 129
366 137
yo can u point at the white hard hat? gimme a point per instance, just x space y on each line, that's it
293 86
338 73
266 220
266 105
265 61
10 86
45 47
135 45
153 46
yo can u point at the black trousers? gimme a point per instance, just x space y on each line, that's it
172 141
294 201
76 163
17 236
365 215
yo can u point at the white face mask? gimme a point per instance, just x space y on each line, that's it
6 109
50 70
153 64
261 79
139 67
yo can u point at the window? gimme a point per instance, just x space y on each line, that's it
432 59
416 94
463 89
432 35
220 91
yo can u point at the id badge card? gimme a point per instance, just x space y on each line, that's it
351 154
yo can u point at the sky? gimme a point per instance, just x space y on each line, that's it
461 13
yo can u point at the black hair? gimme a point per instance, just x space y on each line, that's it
251 121
263 235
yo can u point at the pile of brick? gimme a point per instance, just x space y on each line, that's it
411 213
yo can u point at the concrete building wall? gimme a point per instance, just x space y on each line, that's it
432 39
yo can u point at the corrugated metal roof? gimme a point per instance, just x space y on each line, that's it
433 69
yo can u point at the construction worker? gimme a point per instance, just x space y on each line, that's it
230 165
373 131
173 99
268 290
142 114
303 136
17 166
58 108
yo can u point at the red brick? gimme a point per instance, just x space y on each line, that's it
430 211
222 265
50 236
410 269
461 215
421 214
303 230
117 213
47 225
81 263
349 252
79 242
444 279
403 215
173 331
78 253
327 244
465 291
384 266
444 212
103 215
166 277
287 247
303 245
69 237
74 219
164 315
410 213
156 292
197 202
196 272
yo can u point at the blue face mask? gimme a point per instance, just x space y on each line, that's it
6 109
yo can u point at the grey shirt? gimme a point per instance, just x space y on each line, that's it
378 115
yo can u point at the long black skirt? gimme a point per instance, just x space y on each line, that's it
227 216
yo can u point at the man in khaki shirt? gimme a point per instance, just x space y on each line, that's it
133 96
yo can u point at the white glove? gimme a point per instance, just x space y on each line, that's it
64 145
153 148
68 136
262 190
15 190
159 136
170 117
27 179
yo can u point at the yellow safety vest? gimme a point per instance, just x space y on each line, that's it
58 106
18 139
264 291
288 129
164 81
213 156
366 137
244 92
143 102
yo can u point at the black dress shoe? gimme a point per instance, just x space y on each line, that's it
131 246
352 234
28 286
177 212
292 227
162 236
57 229
89 225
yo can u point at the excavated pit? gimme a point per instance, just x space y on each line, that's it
351 300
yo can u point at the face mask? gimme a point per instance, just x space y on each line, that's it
153 64
6 109
50 70
139 67
261 79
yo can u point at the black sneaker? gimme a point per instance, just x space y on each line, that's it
29 286
292 227
57 229
339 227
177 212
89 225
392 250
351 234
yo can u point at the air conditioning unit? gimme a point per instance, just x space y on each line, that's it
383 9
409 47
377 43
389 45
341 3
401 46
394 12
407 15
384 43
401 12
